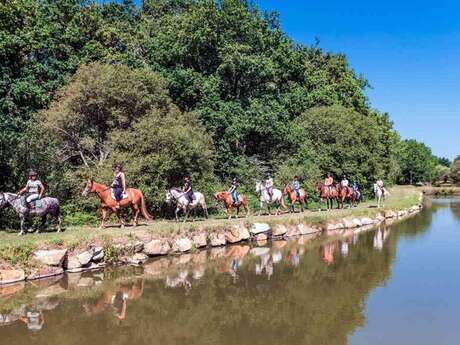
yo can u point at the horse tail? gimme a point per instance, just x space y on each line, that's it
283 205
145 214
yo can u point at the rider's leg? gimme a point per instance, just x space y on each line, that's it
118 192
30 198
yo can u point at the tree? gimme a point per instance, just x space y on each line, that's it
416 162
455 170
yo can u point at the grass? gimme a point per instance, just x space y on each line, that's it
15 249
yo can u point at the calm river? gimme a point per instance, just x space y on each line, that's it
396 284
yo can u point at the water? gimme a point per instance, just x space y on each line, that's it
392 285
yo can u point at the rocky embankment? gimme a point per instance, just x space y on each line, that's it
48 262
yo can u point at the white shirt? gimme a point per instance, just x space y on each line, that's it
344 183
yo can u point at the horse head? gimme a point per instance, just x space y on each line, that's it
287 189
318 186
259 187
89 188
169 196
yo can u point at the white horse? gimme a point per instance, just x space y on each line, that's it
182 202
264 197
380 194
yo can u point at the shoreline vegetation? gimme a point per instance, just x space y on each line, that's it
80 249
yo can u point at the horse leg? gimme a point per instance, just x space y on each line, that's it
260 208
59 223
42 224
23 220
186 215
246 209
103 218
136 211
176 213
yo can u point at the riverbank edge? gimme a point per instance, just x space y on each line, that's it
50 262
441 191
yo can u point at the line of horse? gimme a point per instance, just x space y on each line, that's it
135 200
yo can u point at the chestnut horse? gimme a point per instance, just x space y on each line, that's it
227 199
291 193
135 199
326 193
344 194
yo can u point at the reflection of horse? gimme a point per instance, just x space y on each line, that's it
135 199
344 194
326 193
48 206
182 202
227 199
266 201
380 194
293 197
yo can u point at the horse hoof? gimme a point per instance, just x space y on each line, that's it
22 233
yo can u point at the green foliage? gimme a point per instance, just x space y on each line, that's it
455 170
416 162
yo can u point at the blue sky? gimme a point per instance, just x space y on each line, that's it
408 50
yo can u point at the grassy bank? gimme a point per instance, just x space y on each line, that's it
441 191
16 249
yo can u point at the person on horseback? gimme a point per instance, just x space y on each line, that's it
118 184
329 182
269 186
33 190
296 186
344 183
233 190
355 187
187 189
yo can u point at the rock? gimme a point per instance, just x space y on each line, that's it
138 247
53 257
44 272
72 263
217 239
98 254
380 218
157 247
261 237
11 276
334 226
182 245
237 234
307 230
367 221
138 259
347 223
402 214
389 214
85 257
357 222
279 230
292 231
200 239
258 228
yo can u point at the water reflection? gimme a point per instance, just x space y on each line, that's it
299 291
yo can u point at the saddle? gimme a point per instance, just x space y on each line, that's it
124 195
31 205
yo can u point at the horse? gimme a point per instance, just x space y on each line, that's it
291 193
344 194
48 206
134 198
182 202
326 193
227 199
380 194
265 201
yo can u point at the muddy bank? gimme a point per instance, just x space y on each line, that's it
55 261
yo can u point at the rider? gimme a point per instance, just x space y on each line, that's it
269 186
355 187
233 190
344 183
119 184
329 182
296 186
33 190
187 189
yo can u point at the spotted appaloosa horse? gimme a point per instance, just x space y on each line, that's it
135 199
293 199
48 206
226 198
326 193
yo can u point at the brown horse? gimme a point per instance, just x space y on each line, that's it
326 193
135 199
344 194
227 199
291 193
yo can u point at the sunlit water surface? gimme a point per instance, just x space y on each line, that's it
396 284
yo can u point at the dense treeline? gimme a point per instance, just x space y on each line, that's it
210 88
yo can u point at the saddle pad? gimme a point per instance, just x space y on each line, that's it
124 196
38 203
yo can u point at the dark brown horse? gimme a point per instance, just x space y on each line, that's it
227 199
135 199
344 194
293 198
328 193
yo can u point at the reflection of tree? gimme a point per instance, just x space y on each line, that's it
455 208
311 303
